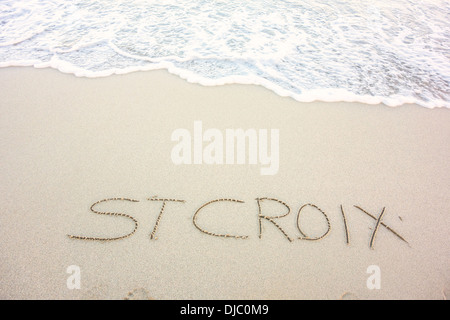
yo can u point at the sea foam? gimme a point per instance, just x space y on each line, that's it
367 51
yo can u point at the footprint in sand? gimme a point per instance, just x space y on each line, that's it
349 296
138 294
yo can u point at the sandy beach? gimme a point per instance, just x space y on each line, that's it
67 143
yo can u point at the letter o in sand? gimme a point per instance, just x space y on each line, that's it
304 236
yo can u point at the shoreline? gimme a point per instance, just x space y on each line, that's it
314 95
68 143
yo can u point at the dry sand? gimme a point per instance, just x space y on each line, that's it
67 142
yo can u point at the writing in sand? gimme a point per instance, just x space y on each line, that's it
261 218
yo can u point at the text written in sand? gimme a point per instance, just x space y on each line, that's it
261 218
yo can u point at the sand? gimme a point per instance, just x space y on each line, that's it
67 143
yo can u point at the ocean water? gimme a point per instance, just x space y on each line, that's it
369 51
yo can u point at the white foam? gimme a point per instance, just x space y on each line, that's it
316 50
